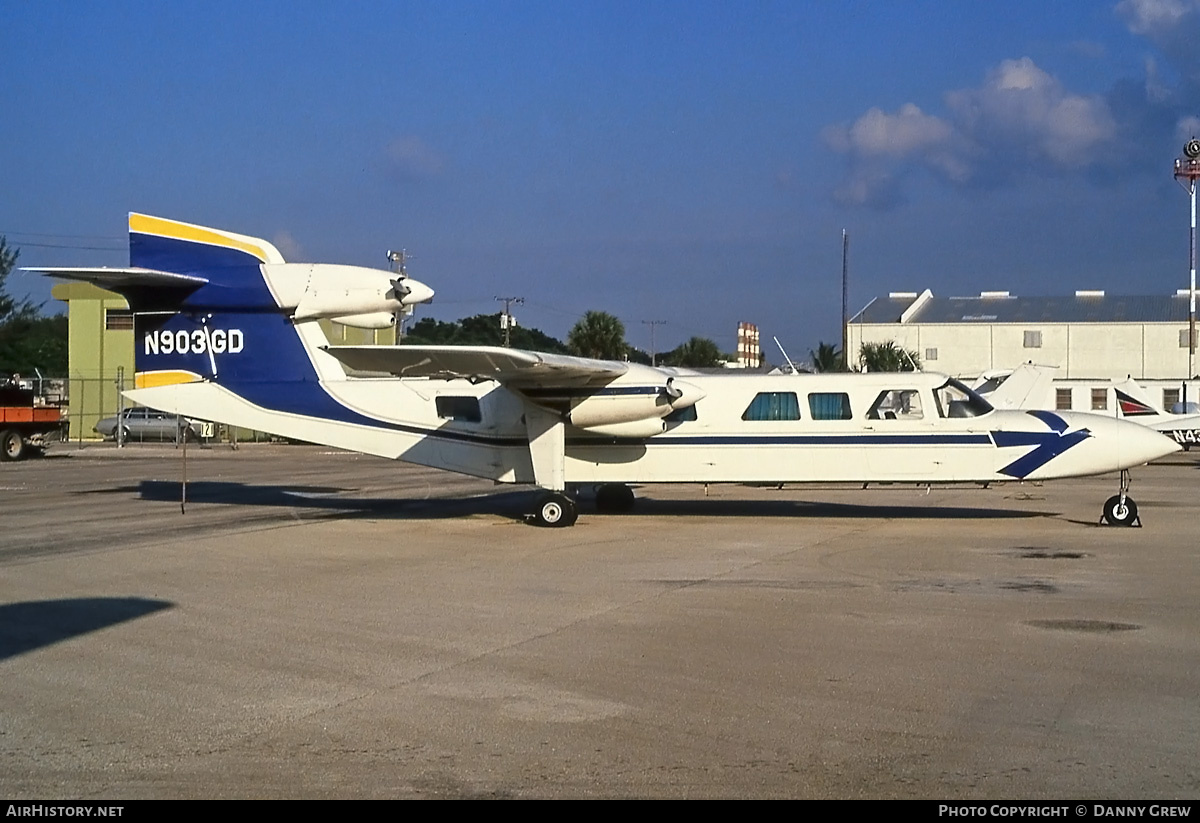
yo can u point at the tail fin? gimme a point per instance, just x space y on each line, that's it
223 316
231 329
1132 400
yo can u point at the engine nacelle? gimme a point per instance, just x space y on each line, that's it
618 404
322 290
376 320
633 429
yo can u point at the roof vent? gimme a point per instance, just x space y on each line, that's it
900 294
1089 292
986 294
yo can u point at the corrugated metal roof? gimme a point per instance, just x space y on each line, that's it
1082 309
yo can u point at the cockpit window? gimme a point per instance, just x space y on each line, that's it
956 400
897 404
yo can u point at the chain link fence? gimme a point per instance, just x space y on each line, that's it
96 410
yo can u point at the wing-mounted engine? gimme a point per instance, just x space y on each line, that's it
350 295
617 410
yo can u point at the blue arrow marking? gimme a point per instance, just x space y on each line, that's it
1050 444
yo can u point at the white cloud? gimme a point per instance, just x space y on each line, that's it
1172 26
288 246
1187 128
1020 115
1150 17
410 158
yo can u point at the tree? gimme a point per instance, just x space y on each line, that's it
28 341
696 353
827 357
887 357
598 334
479 330
9 307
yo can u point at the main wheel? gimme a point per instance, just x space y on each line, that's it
12 445
614 497
1117 513
556 510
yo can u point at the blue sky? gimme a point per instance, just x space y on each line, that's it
693 162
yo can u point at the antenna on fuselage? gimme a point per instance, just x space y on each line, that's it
791 365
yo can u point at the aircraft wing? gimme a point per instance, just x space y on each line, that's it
107 278
514 367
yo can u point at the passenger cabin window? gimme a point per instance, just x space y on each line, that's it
779 405
956 400
829 406
897 404
463 409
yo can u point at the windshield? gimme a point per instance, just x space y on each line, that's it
956 400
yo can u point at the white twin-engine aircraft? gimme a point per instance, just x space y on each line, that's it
227 332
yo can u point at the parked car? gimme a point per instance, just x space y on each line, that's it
150 424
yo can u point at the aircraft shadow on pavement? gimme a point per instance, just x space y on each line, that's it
332 500
702 507
35 624
516 504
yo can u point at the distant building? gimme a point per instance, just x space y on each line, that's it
1090 336
749 352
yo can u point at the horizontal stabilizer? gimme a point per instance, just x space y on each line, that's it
514 367
114 279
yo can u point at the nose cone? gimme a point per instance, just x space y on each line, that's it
1138 444
418 292
1116 444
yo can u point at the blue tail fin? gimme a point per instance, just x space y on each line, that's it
230 330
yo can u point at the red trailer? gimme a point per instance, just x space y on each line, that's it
27 423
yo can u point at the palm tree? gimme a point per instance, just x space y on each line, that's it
887 357
598 334
696 353
827 357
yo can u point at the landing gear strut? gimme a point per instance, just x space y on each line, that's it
1120 510
614 497
556 510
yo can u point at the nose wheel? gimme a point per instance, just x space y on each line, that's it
1120 510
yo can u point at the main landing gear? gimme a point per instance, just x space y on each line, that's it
1120 510
614 498
559 509
556 509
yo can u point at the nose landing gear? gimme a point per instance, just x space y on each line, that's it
1120 510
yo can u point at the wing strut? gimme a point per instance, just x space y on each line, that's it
547 447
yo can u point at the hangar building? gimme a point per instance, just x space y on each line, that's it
1092 338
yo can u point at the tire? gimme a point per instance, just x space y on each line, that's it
556 511
123 437
614 498
12 445
1116 514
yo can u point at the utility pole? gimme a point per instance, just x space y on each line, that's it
652 324
845 300
1187 170
506 319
